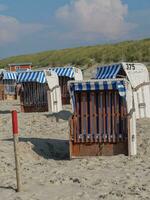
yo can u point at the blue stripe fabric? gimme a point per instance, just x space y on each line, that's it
32 76
106 86
9 75
88 86
107 72
64 71
95 86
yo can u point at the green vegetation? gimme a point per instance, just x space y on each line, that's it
130 51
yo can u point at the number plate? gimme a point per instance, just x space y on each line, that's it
130 66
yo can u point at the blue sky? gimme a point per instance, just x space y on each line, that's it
35 25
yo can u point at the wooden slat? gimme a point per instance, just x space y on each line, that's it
28 92
64 89
74 126
36 93
83 115
104 116
86 113
117 114
100 116
109 115
94 118
91 138
97 118
75 132
122 118
25 94
31 96
78 117
115 103
113 116
91 116
63 86
125 121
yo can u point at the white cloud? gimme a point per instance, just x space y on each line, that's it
94 19
12 29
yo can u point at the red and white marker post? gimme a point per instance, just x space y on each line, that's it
16 152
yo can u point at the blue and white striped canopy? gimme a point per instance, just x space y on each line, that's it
107 72
32 76
7 75
98 85
64 71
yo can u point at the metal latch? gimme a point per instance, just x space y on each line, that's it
142 105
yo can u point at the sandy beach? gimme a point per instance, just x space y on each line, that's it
47 173
95 55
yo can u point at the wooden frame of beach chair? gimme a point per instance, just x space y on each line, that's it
99 125
63 80
65 75
8 90
33 97
138 76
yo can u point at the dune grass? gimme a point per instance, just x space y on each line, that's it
130 51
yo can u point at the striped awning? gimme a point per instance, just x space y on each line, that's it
64 71
95 85
32 76
107 72
9 75
98 85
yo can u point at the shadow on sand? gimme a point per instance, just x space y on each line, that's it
7 188
63 114
56 149
5 111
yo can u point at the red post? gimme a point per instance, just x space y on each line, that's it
15 122
16 148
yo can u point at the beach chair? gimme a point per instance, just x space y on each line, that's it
138 76
66 74
8 82
103 120
39 91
